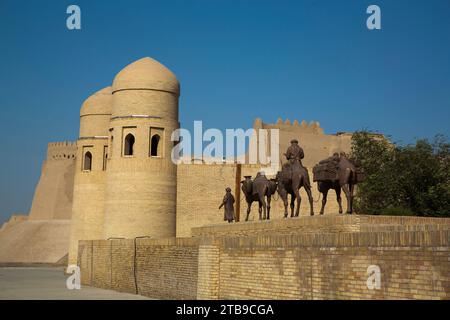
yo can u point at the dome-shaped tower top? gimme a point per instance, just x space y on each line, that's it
97 104
148 74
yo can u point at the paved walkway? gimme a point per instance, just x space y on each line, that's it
49 283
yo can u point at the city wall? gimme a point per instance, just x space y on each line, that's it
54 191
250 263
42 237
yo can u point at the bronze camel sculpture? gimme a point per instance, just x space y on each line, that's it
259 190
324 187
337 172
290 179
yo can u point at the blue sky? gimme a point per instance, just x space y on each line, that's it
236 60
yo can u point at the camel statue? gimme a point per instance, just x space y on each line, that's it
290 179
348 178
259 190
324 187
337 172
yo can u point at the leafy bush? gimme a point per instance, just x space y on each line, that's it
403 180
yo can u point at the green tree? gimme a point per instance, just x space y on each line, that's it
402 180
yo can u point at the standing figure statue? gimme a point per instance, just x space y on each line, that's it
292 177
228 204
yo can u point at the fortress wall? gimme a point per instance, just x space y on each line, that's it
54 191
34 241
294 265
201 187
14 219
165 268
311 137
316 146
43 235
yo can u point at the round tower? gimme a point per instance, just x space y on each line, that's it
141 177
90 173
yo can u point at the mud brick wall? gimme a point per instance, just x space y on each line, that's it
85 254
163 269
309 258
101 271
122 265
394 223
413 265
167 269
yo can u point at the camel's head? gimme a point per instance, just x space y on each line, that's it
247 184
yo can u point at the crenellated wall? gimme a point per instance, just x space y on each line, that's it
54 192
43 235
311 137
61 150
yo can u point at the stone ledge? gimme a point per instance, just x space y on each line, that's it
325 224
184 242
374 240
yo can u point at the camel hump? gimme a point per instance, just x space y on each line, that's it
260 184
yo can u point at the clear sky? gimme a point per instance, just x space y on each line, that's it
236 60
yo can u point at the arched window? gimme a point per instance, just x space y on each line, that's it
87 165
154 151
129 145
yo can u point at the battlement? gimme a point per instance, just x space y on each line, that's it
190 160
302 127
62 144
63 150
